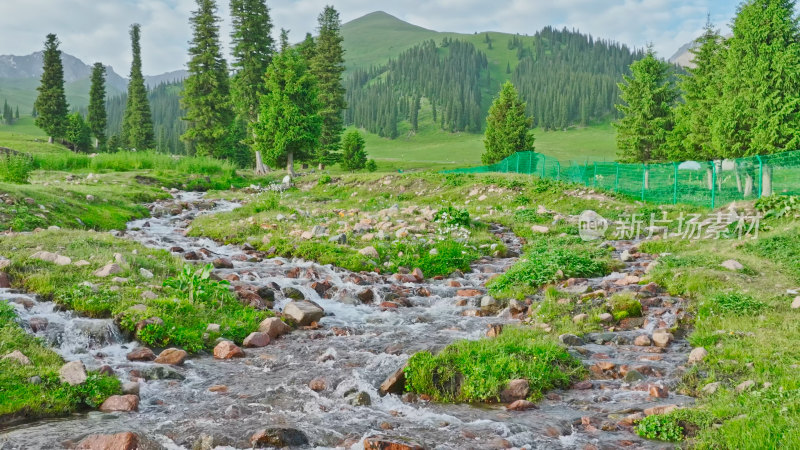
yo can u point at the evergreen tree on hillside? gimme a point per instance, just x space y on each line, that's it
691 138
327 65
647 116
252 51
8 113
354 156
16 114
508 128
51 106
307 48
206 93
289 125
759 110
137 125
97 117
78 133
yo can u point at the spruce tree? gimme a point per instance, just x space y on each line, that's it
647 116
97 117
78 133
307 48
508 128
759 109
8 115
16 114
51 106
137 125
206 93
289 125
252 51
691 138
327 65
354 156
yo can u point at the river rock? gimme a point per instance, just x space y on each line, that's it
293 293
19 357
119 441
521 405
303 312
120 403
662 337
733 265
658 391
172 356
161 373
227 350
222 263
274 327
390 443
279 437
151 321
54 258
394 383
130 388
73 373
570 339
369 252
606 318
515 390
38 324
417 273
5 282
317 384
256 339
360 398
366 296
107 270
642 340
141 354
697 355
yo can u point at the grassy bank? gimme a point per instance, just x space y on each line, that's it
21 399
744 320
130 295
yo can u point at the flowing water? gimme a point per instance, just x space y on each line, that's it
356 347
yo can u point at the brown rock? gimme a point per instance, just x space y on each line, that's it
317 384
222 263
120 441
256 339
642 340
274 327
389 443
5 282
515 390
172 356
583 385
521 405
662 337
366 296
468 293
227 350
394 383
417 273
220 388
658 391
120 403
494 330
664 409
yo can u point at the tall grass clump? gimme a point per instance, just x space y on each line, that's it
65 161
15 168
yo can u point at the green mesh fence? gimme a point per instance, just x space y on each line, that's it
704 183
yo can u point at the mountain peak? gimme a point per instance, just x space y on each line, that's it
383 20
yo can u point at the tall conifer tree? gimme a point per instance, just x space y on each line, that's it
508 128
252 51
51 104
206 93
97 117
137 125
327 65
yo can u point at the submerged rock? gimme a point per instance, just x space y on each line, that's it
394 383
279 437
390 443
172 356
119 441
120 403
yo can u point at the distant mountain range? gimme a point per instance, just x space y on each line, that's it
19 77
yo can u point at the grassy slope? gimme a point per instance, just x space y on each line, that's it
22 93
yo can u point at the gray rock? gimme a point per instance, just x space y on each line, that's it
130 388
293 293
73 373
274 327
146 274
340 238
360 399
18 357
107 270
570 339
369 252
161 373
279 437
303 312
733 265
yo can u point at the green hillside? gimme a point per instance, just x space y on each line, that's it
22 93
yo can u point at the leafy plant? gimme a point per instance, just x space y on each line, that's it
452 216
198 286
779 206
371 166
624 305
734 303
325 179
15 168
660 427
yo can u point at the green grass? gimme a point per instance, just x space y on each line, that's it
624 305
469 371
743 319
185 322
22 400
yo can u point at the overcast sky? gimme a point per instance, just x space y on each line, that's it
97 30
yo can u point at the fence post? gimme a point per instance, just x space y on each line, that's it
760 176
585 172
558 170
594 178
675 190
530 162
713 185
644 178
516 156
616 178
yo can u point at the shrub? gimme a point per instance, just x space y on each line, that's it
354 157
197 285
323 180
15 168
371 166
624 305
674 426
479 370
452 216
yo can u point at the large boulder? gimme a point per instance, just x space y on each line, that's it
120 403
222 263
172 356
369 252
274 327
303 312
53 258
279 437
18 357
141 354
73 373
227 350
120 441
107 270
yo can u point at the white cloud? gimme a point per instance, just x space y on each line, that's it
98 30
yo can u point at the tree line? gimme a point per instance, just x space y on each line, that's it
10 115
285 103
